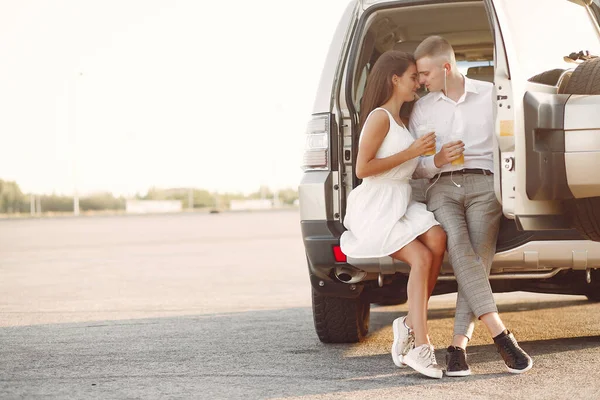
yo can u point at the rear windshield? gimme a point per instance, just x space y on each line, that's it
545 31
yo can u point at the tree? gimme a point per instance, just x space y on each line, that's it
11 198
263 193
102 201
288 196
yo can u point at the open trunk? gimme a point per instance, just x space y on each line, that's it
402 25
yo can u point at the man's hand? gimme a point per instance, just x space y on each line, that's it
449 152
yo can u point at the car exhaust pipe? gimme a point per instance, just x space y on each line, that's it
349 275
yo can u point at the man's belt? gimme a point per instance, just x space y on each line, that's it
465 171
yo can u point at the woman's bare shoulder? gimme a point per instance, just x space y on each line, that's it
378 122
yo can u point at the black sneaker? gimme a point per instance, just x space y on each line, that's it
516 360
456 362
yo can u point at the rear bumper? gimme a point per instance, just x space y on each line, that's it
319 238
546 266
533 257
543 255
532 260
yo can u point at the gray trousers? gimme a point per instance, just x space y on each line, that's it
470 215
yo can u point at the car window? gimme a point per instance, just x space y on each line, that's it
560 28
360 88
480 70
463 66
596 9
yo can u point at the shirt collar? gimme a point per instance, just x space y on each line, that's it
470 87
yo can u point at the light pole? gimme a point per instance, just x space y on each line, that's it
73 135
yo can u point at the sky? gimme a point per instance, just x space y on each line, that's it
124 95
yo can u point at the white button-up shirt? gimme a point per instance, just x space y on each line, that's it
469 119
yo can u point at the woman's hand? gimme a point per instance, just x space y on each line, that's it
424 144
449 152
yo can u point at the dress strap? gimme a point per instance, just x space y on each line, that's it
390 116
379 108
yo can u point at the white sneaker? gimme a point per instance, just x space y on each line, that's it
404 341
422 359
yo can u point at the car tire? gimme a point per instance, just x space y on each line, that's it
394 301
548 77
594 297
584 214
585 79
340 320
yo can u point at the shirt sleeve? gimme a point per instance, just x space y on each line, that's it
426 167
415 119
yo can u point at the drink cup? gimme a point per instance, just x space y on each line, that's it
423 130
461 159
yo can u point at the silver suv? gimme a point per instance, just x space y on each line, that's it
540 56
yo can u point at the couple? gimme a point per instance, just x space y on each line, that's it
383 220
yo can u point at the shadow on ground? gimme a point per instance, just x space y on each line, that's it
260 354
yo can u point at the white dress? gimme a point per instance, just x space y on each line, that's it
381 216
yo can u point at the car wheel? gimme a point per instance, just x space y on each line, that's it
394 301
585 213
340 320
595 296
548 77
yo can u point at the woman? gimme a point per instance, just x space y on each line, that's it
381 218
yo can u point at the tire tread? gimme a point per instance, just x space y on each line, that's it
337 320
585 78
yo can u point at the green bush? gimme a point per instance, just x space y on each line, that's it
12 200
11 197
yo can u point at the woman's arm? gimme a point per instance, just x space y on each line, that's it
374 132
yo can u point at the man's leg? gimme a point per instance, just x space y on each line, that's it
449 204
482 213
471 254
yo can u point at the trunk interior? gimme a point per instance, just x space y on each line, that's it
466 26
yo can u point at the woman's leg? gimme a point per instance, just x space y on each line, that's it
435 240
418 256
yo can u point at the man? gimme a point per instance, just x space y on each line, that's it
462 197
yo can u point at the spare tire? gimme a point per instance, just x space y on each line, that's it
585 79
548 77
584 214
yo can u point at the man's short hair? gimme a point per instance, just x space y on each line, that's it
435 46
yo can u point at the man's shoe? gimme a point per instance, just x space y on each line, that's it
404 341
516 360
456 362
422 359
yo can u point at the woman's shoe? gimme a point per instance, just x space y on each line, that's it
422 359
404 341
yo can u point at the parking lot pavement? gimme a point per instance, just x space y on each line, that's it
218 306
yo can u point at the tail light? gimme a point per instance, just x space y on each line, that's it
338 254
316 147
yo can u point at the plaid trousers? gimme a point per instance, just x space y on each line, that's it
470 215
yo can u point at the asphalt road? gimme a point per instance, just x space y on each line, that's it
218 306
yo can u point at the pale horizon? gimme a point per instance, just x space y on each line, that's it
158 94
